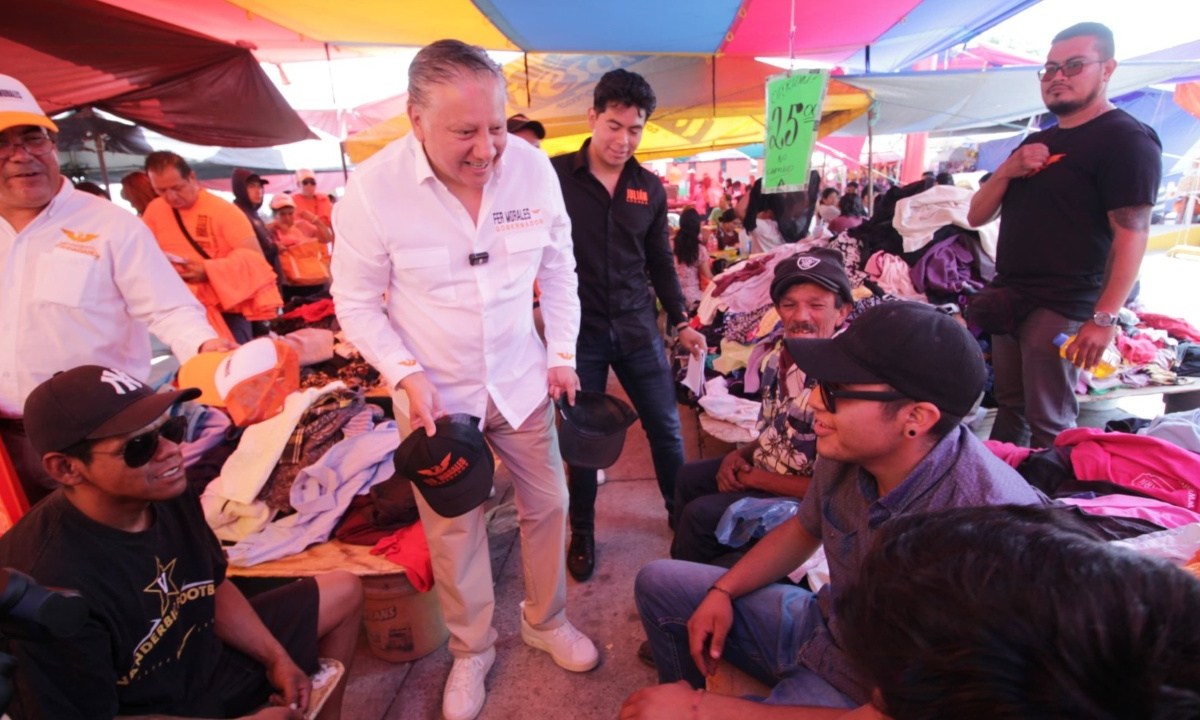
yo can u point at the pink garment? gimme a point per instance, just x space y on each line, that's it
1013 455
408 547
1137 350
1147 464
1176 327
892 274
1130 506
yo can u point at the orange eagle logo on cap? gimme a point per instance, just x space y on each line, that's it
437 469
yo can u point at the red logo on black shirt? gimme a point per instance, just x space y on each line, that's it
641 197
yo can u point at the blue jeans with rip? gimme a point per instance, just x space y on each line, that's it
644 373
770 626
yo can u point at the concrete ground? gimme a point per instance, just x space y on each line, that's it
525 683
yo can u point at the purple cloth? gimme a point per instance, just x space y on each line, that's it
945 268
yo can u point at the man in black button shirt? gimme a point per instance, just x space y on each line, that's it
619 226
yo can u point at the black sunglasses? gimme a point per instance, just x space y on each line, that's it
308 182
139 450
830 392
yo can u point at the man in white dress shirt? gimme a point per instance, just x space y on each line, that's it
441 236
84 282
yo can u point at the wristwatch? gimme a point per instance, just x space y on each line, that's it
1104 319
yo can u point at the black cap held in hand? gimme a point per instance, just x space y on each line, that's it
453 470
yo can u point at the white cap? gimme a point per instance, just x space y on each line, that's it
18 106
282 200
305 174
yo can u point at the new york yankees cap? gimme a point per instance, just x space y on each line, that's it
91 402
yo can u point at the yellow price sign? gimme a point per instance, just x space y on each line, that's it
794 102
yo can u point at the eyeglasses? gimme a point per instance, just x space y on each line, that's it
36 145
140 449
1070 68
308 182
830 392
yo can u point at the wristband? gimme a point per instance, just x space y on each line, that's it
682 325
719 589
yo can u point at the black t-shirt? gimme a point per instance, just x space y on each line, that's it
620 243
1055 235
149 645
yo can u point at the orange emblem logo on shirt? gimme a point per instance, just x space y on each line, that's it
566 356
408 363
78 236
640 197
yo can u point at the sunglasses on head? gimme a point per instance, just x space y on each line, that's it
830 392
140 449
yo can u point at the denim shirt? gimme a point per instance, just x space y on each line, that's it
843 509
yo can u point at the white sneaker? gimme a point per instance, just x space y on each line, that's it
571 649
601 477
464 694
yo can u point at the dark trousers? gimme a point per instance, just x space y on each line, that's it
644 374
699 505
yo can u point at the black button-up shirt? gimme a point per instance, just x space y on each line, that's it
621 251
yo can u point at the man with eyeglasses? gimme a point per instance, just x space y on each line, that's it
1074 205
212 246
83 280
166 632
887 412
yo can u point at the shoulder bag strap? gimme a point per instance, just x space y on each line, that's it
188 235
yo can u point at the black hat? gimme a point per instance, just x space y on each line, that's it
453 469
255 177
90 403
823 266
519 122
592 431
921 352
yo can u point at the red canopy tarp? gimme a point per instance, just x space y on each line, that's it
75 53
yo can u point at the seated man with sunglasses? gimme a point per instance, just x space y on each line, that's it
166 633
891 394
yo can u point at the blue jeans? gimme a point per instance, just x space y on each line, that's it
770 625
1035 386
646 377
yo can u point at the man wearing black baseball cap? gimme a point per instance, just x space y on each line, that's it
166 633
531 131
811 293
891 393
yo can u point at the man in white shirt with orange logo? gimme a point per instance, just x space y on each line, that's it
455 237
84 282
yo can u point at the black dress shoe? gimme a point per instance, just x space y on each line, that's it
581 556
646 654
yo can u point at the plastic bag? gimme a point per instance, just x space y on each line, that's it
750 518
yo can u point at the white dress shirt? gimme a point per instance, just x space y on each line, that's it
409 298
83 284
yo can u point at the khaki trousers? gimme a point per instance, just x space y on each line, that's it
462 568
